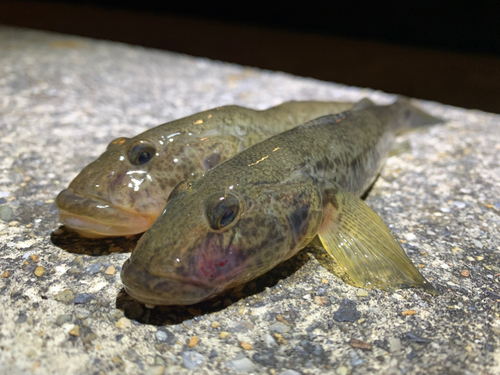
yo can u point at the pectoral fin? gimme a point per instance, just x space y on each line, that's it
359 241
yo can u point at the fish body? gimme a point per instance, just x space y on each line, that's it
262 206
124 190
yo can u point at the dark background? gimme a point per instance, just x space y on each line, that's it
441 50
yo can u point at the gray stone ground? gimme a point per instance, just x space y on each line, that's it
63 309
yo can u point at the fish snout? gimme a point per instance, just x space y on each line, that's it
167 289
95 218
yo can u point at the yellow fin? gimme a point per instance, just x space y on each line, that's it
359 241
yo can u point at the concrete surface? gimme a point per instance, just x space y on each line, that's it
63 308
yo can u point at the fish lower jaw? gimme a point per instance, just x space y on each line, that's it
92 228
94 217
158 300
159 290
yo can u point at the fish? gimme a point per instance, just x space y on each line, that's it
125 189
265 204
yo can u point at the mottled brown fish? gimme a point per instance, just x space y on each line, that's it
125 189
261 207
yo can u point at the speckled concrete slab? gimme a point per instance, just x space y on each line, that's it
63 99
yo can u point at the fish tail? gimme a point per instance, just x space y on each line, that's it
409 117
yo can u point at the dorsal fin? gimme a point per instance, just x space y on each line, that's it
337 117
363 104
326 120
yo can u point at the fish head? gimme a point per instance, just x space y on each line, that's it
205 241
123 191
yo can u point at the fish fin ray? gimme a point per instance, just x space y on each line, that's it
359 241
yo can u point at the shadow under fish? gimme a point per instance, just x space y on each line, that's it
72 242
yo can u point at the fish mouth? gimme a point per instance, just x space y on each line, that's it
94 218
163 290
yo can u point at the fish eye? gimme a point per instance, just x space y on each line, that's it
180 188
142 152
117 142
222 210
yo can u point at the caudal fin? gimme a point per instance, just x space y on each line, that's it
411 117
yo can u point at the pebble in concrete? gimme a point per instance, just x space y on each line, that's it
192 359
347 311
